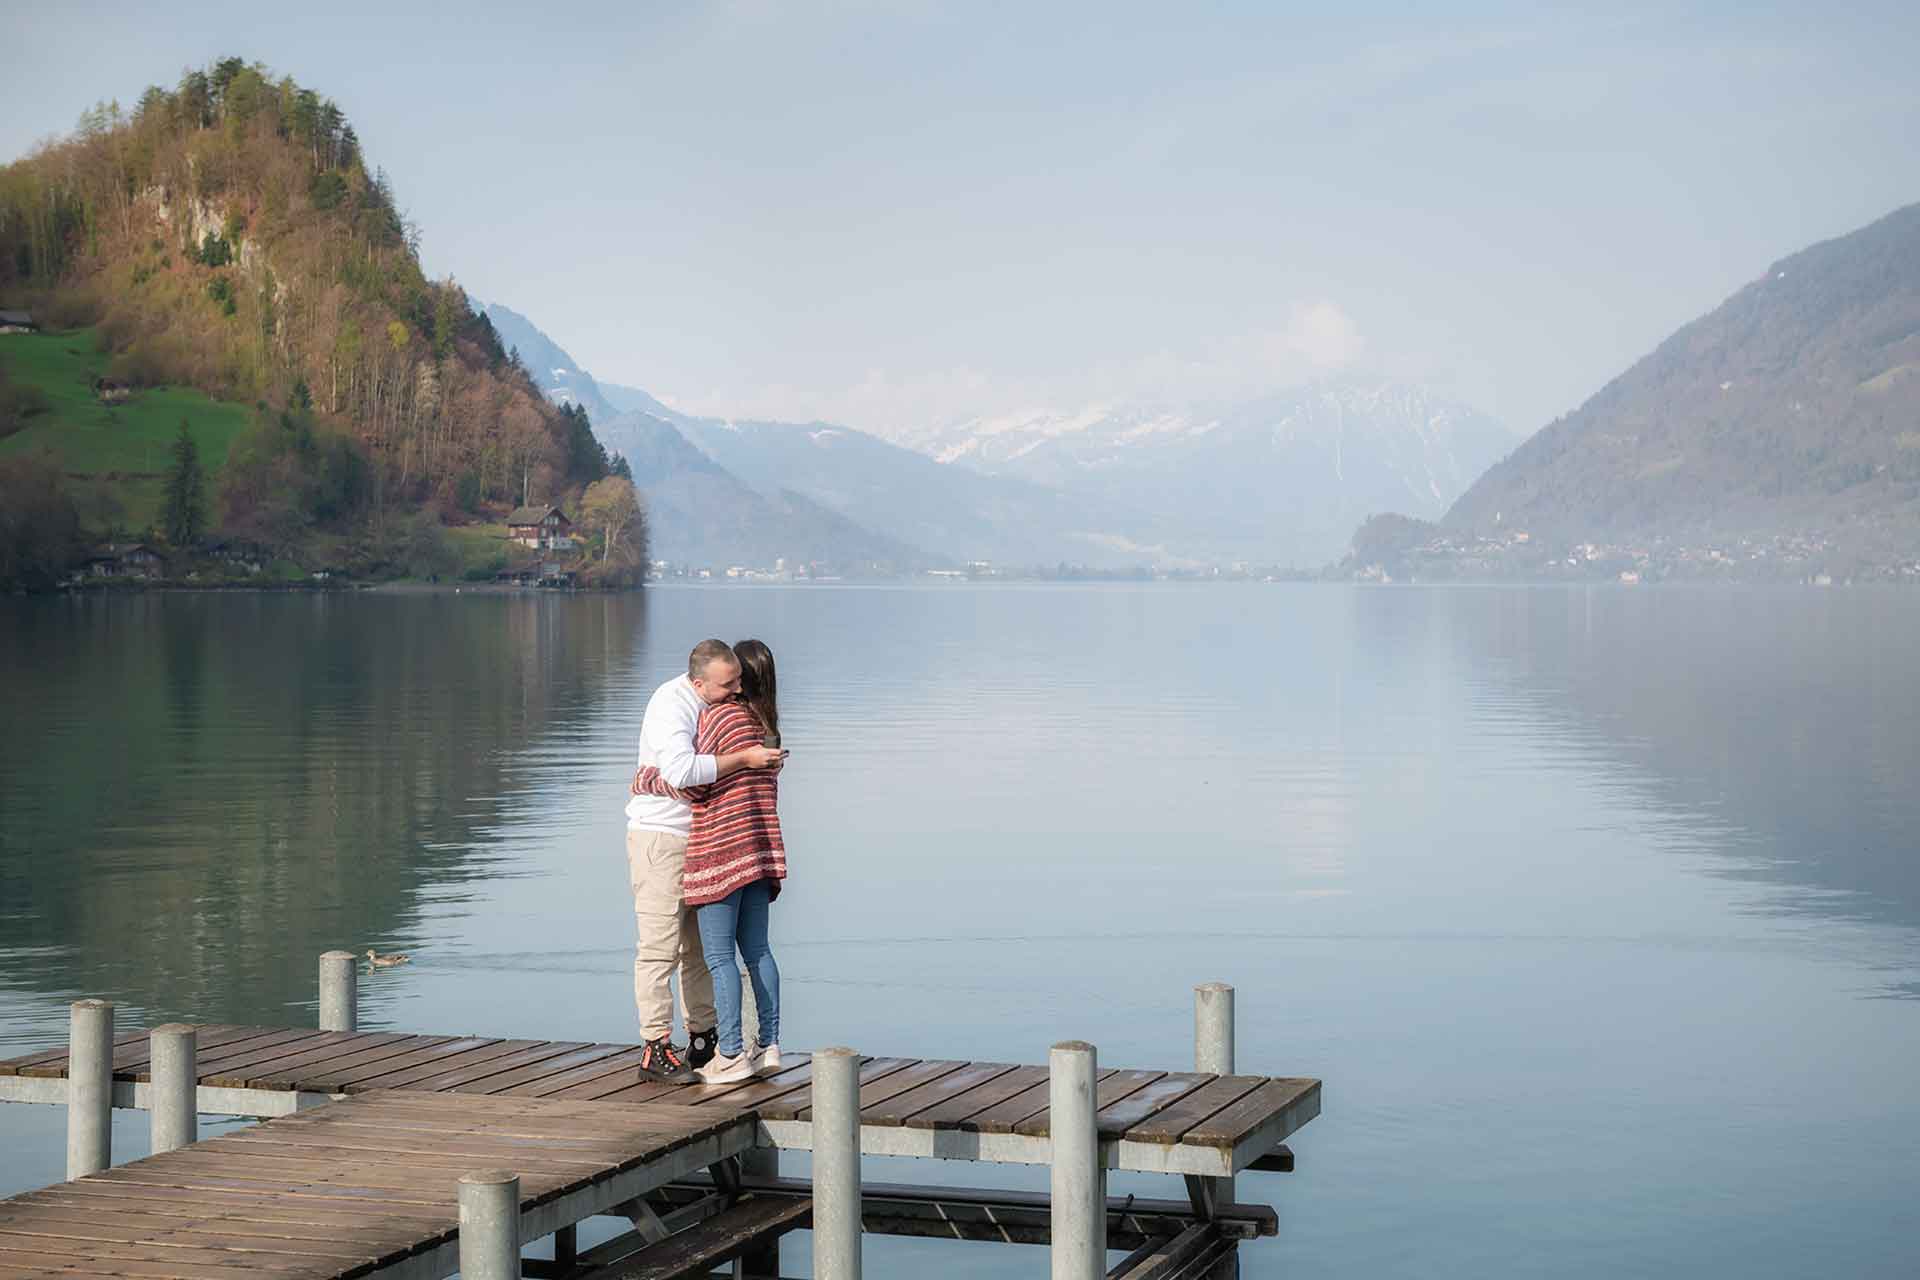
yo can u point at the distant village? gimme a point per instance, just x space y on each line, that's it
1816 559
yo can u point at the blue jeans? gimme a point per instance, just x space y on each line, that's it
740 920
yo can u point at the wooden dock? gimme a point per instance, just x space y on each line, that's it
1154 1121
413 1155
360 1187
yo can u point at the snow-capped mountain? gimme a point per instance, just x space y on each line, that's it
1282 479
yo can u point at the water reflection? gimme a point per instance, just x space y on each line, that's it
202 792
1788 720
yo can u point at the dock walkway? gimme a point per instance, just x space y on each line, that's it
1178 1122
364 1186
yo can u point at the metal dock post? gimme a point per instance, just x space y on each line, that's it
89 1088
1079 1181
338 983
176 1077
490 1226
836 1164
1213 1049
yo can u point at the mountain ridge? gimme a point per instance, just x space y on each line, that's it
1794 404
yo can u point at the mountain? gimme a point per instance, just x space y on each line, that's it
1282 479
703 515
552 369
964 514
1792 408
748 492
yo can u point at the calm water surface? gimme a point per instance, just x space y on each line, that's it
1597 910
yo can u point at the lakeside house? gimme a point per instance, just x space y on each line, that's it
124 560
18 322
543 528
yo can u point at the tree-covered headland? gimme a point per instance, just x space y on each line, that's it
230 236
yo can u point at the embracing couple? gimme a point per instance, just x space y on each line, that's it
705 860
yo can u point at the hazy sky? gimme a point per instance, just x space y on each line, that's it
902 212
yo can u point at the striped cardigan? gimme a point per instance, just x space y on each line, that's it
736 821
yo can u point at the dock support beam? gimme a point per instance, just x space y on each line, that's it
762 1263
176 1079
338 981
1213 1049
1079 1181
490 1226
836 1164
89 1088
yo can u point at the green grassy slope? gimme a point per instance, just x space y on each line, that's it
115 456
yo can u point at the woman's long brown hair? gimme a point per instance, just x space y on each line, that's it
758 687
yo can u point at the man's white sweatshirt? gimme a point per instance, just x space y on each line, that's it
666 742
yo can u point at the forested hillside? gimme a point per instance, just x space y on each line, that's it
230 234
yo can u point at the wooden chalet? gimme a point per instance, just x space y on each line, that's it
543 528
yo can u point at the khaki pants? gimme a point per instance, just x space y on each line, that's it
668 938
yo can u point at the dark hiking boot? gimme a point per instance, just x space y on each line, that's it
700 1047
664 1064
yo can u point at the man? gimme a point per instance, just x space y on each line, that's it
657 828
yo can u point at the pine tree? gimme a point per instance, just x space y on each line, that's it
186 510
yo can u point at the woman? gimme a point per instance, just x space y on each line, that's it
735 863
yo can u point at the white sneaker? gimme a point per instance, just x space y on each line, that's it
766 1059
727 1069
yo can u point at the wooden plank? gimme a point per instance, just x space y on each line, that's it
18 1066
377 1234
155 1259
529 1116
1002 1116
795 1075
265 1048
432 1062
954 1112
1114 1120
539 1071
78 1224
524 1053
625 1064
196 1180
258 1206
1167 1125
876 1093
897 1109
417 1137
341 1077
1227 1126
1112 1087
459 1158
242 1071
725 1236
132 1061
788 1106
300 1069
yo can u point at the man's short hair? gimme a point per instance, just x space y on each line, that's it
705 654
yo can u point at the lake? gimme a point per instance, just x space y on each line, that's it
1597 909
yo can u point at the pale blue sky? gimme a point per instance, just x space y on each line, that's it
890 212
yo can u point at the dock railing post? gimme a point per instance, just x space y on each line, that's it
1079 1180
836 1164
338 983
1213 1049
89 1088
490 1226
176 1081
